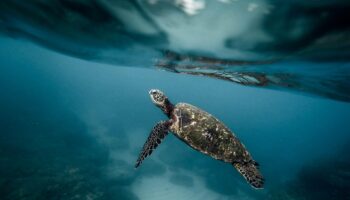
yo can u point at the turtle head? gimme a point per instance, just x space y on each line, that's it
158 97
160 100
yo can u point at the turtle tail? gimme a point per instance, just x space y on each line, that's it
251 173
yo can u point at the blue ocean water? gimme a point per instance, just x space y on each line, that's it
72 129
75 109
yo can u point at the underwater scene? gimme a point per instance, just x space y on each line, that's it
89 93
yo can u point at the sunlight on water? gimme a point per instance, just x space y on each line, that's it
244 42
75 108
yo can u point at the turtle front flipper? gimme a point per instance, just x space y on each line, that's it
250 172
159 131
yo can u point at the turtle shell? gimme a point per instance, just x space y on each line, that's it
205 133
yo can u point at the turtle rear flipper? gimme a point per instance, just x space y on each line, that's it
250 172
159 131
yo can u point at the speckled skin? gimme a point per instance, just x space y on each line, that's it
205 133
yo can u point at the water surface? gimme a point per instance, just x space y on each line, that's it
75 110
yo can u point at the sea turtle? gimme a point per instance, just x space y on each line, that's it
204 133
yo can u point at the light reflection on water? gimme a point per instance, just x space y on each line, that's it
295 46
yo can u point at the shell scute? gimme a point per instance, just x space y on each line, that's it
205 133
